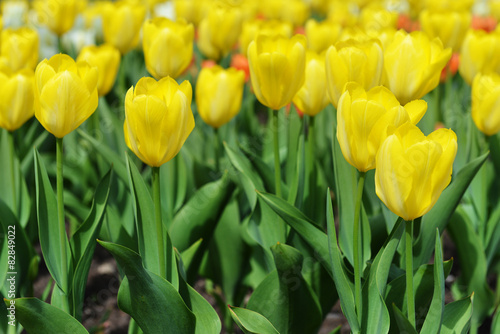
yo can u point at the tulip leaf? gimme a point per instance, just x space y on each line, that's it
457 316
441 212
375 315
207 320
403 323
49 229
173 177
109 155
342 283
38 317
227 259
24 252
198 217
146 226
249 178
151 301
434 319
473 266
345 191
305 227
423 284
83 242
284 297
251 322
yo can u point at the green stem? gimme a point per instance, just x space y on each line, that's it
310 139
356 234
10 138
216 148
277 165
60 217
159 224
410 294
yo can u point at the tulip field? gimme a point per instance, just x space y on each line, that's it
249 166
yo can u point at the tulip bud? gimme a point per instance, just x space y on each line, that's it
413 64
65 93
168 46
158 119
16 98
107 60
479 54
19 48
365 119
253 28
277 68
218 94
311 97
450 27
413 170
58 15
320 35
219 31
486 103
351 60
121 24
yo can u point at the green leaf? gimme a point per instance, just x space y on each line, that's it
457 316
441 212
207 320
152 301
38 317
375 315
198 217
403 323
434 319
83 242
24 251
49 229
423 283
251 322
305 227
250 179
473 266
345 191
284 297
109 155
228 259
342 283
146 227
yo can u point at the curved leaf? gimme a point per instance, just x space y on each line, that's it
251 322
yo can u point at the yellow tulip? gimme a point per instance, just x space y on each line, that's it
454 5
65 93
16 98
320 35
449 26
191 10
486 103
107 60
20 48
311 97
366 118
219 31
376 17
295 11
218 94
413 170
168 46
359 61
277 66
413 64
256 27
479 54
344 13
58 15
121 24
158 119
